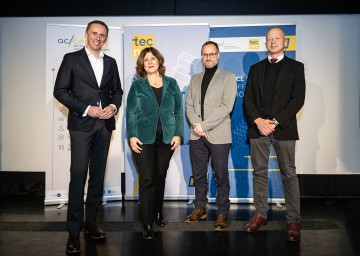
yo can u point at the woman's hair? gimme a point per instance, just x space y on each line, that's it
140 71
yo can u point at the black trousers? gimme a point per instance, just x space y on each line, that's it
200 152
89 151
152 164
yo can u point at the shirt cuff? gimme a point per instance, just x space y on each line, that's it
275 122
86 111
115 109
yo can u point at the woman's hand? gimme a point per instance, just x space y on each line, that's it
175 142
135 144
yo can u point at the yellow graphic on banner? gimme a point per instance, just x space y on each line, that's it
139 42
191 181
76 42
290 44
136 187
254 44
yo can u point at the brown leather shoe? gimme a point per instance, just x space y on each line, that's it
254 223
293 232
197 214
221 222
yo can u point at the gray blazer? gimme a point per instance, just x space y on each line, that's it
219 101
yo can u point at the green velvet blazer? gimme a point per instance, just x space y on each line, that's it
143 111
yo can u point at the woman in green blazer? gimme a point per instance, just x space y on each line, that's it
155 126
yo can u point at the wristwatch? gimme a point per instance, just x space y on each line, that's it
275 121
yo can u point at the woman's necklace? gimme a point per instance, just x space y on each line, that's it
157 82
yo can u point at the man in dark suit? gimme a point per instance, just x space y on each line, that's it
88 84
275 92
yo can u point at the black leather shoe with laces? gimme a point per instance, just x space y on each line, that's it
159 219
148 232
94 231
73 245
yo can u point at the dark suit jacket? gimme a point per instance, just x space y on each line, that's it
143 111
288 98
76 88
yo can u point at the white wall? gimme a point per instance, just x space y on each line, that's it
329 123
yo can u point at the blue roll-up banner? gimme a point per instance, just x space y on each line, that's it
241 47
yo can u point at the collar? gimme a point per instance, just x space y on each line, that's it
211 70
101 55
279 58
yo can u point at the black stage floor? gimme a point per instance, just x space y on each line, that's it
330 226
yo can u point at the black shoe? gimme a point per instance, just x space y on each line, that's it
159 220
148 232
94 231
73 245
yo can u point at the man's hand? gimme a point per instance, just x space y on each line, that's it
199 130
101 113
265 126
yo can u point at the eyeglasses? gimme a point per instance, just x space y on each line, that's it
211 55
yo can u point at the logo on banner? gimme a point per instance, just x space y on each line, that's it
72 42
287 42
78 43
139 42
254 44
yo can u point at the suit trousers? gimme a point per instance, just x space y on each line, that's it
152 164
200 152
89 151
285 151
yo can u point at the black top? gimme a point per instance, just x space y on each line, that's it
209 73
272 71
158 95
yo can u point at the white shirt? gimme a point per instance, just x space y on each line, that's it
97 64
279 58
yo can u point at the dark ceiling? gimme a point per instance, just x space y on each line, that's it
42 8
